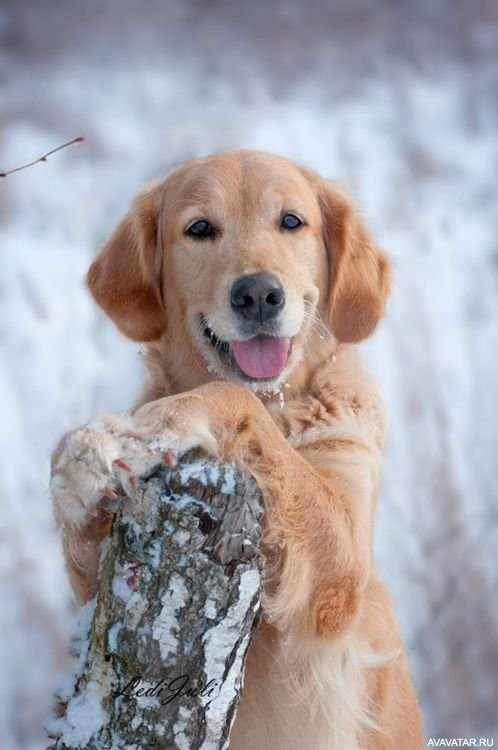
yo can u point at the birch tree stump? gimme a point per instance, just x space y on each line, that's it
163 644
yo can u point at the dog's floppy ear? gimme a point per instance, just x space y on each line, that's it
124 279
360 273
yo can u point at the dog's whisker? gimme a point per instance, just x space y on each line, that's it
318 322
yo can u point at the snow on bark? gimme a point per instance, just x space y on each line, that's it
162 647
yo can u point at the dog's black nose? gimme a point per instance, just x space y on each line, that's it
259 296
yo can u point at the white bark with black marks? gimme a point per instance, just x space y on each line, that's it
163 644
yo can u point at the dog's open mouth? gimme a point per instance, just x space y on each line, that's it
261 357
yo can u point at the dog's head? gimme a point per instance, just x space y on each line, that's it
238 256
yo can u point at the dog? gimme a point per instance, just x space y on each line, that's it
249 279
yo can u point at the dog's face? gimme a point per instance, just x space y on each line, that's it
237 256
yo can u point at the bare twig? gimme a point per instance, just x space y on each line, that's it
42 158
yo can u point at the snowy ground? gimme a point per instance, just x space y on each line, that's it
399 100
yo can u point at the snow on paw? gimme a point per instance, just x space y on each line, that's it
92 464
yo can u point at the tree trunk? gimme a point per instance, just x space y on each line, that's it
163 644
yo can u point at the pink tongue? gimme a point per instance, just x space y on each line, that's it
262 356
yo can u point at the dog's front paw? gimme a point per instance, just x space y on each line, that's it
91 464
176 424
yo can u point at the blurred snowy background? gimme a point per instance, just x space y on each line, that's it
397 99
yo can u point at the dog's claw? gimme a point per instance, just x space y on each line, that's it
132 434
122 464
111 506
108 492
134 482
169 458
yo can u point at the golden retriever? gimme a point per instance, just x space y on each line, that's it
250 279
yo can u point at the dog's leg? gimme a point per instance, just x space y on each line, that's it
310 518
317 531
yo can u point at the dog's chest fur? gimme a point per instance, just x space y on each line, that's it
301 701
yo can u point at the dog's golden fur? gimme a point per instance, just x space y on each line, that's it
327 667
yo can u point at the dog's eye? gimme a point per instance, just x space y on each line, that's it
200 229
290 221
